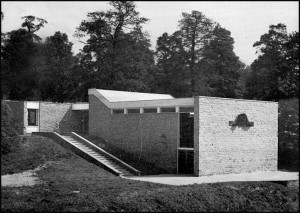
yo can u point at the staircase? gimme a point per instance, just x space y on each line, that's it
85 148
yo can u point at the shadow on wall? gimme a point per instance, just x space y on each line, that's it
74 121
245 128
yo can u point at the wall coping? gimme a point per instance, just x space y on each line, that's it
235 99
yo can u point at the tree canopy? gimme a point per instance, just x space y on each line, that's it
197 59
117 50
276 71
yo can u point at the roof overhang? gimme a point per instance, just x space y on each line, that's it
172 102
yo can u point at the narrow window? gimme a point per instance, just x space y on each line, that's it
168 109
137 110
186 109
150 110
32 117
118 111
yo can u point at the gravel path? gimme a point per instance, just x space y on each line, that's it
26 178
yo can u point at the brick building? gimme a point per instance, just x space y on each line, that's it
39 116
198 135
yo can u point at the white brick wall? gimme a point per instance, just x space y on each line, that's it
222 149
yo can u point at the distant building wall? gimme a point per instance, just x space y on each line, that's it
223 149
51 114
29 105
153 137
48 116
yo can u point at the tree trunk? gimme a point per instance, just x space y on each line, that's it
192 65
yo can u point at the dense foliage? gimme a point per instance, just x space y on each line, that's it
9 129
288 133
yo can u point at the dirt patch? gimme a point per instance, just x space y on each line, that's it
26 178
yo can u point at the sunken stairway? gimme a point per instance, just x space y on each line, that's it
93 153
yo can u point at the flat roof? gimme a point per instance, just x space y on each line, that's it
123 99
114 99
118 96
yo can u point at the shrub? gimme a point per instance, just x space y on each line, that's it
9 129
288 134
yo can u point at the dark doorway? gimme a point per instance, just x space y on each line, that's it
85 122
186 161
186 144
32 117
186 130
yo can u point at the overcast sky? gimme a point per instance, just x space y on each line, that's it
246 21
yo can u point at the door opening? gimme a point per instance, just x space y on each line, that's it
186 161
186 144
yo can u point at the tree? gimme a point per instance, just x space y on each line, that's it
117 50
57 79
4 65
9 129
288 133
33 24
274 72
289 66
196 32
244 73
18 54
222 64
171 75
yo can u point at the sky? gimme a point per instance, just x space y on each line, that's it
246 20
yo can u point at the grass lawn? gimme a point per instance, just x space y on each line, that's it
73 184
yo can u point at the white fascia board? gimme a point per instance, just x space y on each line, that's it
32 104
142 104
80 106
120 96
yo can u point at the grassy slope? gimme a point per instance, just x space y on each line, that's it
143 166
99 190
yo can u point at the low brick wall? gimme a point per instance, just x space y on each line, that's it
223 149
69 120
51 114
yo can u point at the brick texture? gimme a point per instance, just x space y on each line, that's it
152 137
51 114
222 149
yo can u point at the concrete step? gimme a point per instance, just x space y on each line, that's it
109 164
101 159
123 171
127 174
97 155
85 148
89 151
